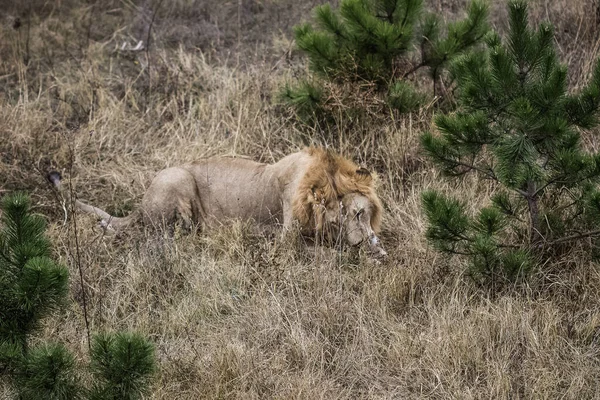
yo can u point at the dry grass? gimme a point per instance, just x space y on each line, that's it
234 314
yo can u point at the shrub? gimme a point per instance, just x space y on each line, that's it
32 286
366 48
517 125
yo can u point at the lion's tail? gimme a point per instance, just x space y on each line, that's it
108 222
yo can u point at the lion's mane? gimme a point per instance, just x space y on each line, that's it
326 181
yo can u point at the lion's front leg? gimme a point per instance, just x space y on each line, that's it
288 219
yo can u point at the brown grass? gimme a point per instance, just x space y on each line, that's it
234 314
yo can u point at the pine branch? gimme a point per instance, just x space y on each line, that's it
509 246
459 253
541 189
564 181
533 204
573 237
414 69
488 173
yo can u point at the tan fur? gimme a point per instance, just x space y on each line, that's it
309 186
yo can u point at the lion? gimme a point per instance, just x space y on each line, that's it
327 195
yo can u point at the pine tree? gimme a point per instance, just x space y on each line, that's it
122 364
517 125
48 372
32 286
371 43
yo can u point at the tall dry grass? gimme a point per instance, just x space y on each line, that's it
235 314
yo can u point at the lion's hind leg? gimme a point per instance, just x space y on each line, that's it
172 197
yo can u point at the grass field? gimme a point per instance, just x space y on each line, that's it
236 315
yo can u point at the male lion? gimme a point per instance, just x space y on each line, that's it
329 196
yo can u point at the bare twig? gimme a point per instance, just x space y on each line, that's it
88 32
147 50
487 173
28 34
414 69
535 235
584 235
77 247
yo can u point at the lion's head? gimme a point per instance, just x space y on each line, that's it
336 199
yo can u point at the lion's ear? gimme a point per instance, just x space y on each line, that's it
364 173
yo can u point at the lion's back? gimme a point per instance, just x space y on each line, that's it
231 188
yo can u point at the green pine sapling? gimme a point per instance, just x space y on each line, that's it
32 286
517 125
122 365
371 44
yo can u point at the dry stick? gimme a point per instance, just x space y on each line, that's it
147 51
72 194
239 27
584 235
89 26
77 249
87 46
487 173
574 237
414 69
28 33
532 203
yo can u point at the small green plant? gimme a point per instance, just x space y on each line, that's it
518 126
32 286
122 364
366 48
